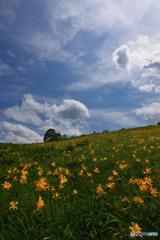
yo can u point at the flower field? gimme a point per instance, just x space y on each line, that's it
101 186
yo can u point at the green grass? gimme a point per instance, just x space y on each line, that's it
119 156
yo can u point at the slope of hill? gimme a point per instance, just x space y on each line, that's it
101 186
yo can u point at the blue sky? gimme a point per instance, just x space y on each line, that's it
77 66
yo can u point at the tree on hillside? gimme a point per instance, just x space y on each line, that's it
105 131
51 135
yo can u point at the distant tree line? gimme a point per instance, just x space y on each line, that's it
52 135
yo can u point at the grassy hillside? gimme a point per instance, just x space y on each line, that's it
101 186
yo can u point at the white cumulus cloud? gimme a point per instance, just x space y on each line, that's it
150 112
17 133
68 116
142 58
113 117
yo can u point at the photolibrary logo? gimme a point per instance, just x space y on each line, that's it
144 234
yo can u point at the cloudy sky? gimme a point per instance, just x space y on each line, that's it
78 66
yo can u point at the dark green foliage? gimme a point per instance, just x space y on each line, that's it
51 135
105 131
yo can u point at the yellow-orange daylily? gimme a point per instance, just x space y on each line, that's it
7 185
138 200
40 203
147 171
153 192
99 190
13 205
110 185
96 170
135 228
42 184
75 192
